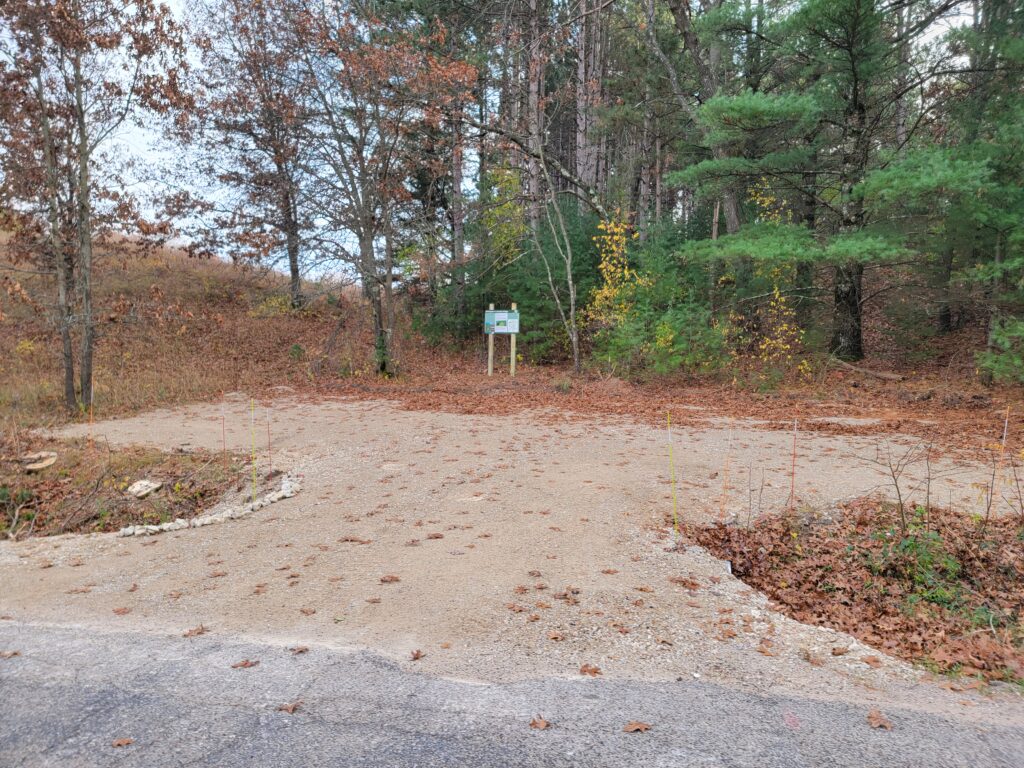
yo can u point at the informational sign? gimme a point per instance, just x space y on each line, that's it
501 321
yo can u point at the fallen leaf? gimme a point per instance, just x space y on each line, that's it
122 611
218 574
635 726
417 655
557 637
877 720
389 579
872 661
839 650
373 600
590 669
244 664
307 611
435 535
133 587
296 650
122 742
539 723
196 631
9 654
290 708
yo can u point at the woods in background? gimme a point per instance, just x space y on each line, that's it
660 185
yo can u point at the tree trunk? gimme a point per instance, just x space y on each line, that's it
534 113
944 320
458 218
993 305
373 287
292 243
64 270
589 65
847 339
85 252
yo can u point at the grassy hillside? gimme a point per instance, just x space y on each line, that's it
170 329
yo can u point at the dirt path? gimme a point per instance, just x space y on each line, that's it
523 547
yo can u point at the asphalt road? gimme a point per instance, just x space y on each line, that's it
71 693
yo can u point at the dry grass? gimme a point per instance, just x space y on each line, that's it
85 490
170 330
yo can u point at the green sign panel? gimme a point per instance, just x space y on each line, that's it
501 321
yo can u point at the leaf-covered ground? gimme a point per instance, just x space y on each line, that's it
947 593
85 490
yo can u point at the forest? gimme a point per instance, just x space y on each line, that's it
662 186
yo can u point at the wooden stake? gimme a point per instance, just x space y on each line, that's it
792 472
512 360
223 433
672 474
252 432
490 349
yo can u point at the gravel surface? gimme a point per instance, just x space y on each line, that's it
505 551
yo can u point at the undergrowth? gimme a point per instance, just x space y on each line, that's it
947 593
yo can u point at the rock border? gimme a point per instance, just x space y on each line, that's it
289 487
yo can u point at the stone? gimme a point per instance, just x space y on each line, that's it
143 488
36 462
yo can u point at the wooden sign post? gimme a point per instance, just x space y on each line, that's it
512 352
501 321
490 344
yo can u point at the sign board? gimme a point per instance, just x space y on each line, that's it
501 321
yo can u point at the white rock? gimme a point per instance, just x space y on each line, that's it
142 488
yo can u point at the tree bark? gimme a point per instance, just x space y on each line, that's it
63 269
534 113
85 245
293 245
847 336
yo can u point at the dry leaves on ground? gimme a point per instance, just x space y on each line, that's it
196 631
636 726
539 723
290 708
244 664
122 611
590 670
122 742
417 655
877 720
299 649
389 579
9 654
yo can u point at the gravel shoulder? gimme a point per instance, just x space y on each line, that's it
522 547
